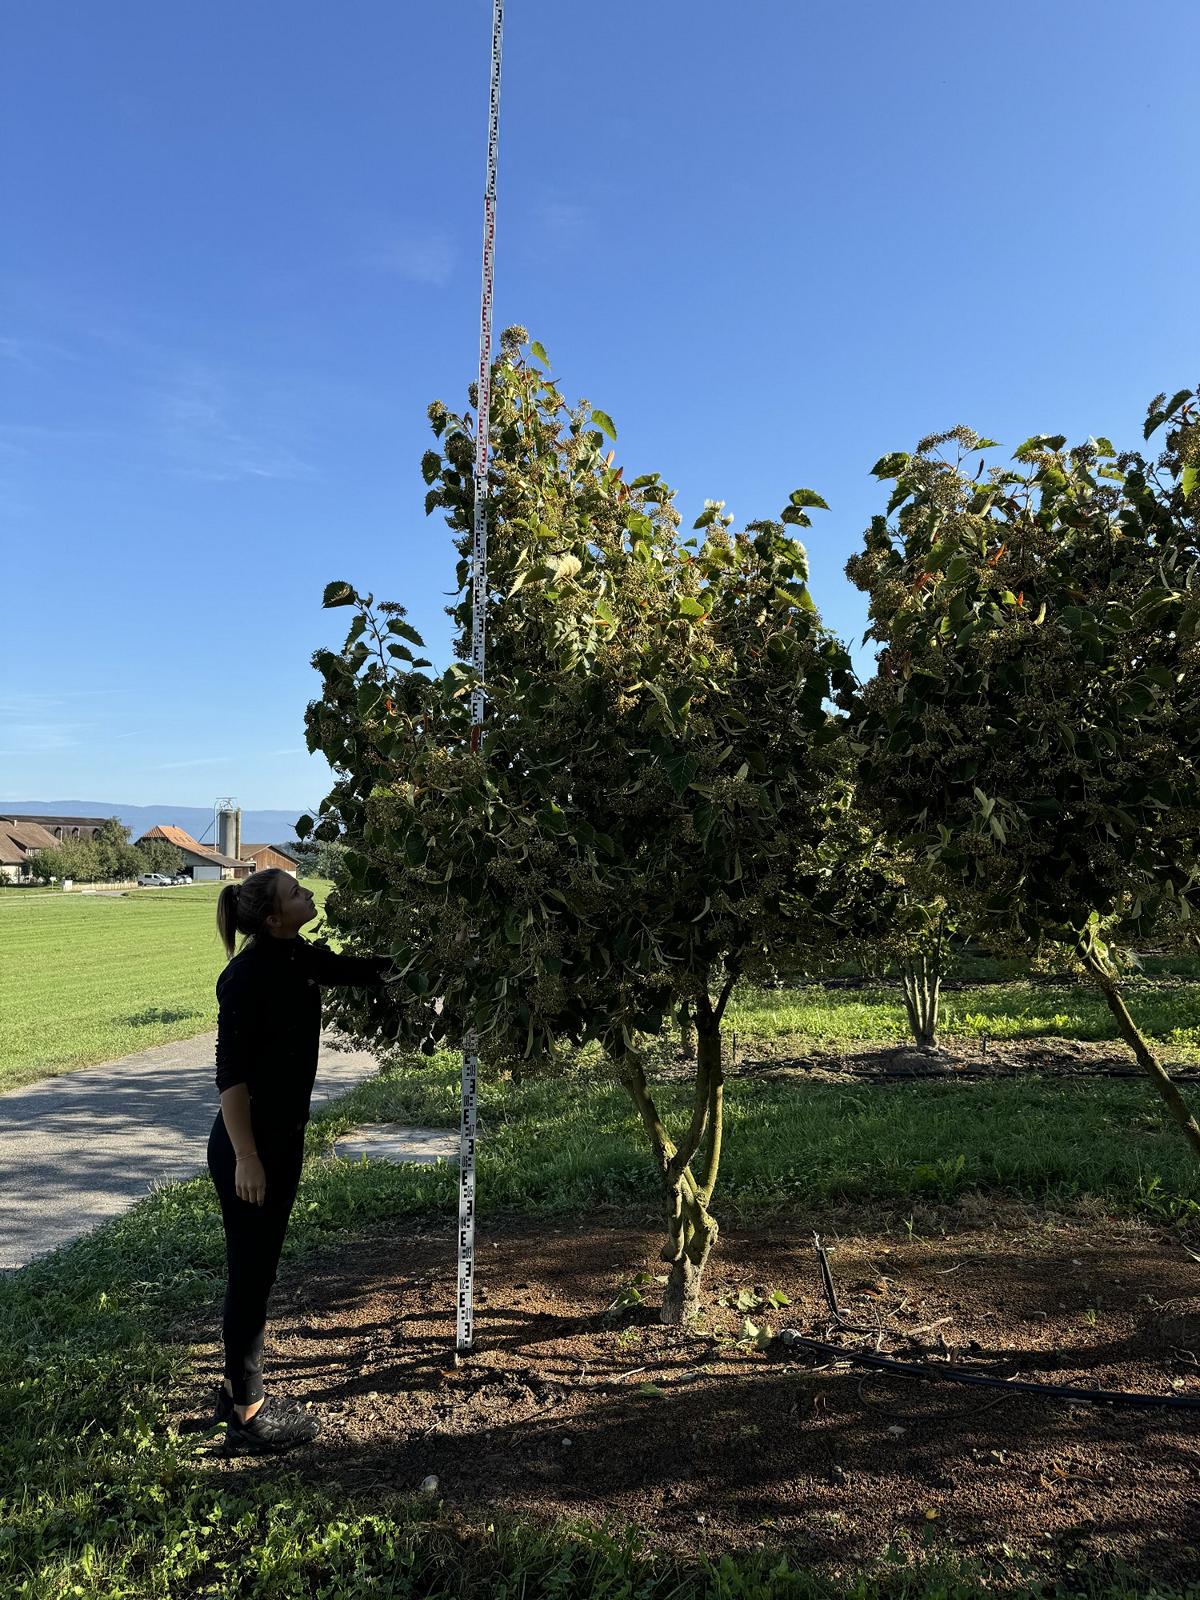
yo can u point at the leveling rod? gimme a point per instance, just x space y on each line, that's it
483 407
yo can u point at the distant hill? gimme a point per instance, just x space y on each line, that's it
258 827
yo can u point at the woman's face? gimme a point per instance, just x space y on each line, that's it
295 907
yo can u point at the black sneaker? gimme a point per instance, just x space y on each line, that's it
274 1426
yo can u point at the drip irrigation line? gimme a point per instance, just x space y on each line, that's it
792 1339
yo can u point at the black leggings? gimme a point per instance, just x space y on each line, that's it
253 1240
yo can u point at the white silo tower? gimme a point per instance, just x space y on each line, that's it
229 827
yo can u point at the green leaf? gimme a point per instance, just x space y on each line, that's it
603 420
891 466
807 497
688 607
1189 480
1176 400
338 594
539 350
403 630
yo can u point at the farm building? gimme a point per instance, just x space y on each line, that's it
270 855
60 828
19 837
201 861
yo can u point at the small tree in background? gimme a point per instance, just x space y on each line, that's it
157 855
645 815
1033 726
117 859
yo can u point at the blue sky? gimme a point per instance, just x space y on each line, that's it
240 255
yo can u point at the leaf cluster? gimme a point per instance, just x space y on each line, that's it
1033 728
659 756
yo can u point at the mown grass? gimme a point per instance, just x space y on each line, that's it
1166 1009
84 978
100 1497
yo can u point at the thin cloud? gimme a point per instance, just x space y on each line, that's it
198 761
563 221
206 442
419 253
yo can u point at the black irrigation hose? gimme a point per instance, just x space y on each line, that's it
792 1340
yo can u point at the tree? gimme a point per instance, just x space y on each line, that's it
321 859
116 857
77 859
1032 729
156 855
645 810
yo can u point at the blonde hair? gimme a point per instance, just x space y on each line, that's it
244 907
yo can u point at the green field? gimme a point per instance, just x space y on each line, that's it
84 978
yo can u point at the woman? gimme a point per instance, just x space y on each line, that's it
268 1036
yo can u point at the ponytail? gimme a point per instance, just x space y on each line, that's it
244 907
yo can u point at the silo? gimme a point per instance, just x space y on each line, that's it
226 830
237 834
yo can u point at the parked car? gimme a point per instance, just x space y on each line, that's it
181 877
153 880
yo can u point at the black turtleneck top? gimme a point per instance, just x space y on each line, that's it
269 1023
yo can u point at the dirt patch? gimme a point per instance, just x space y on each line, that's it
964 1059
564 1412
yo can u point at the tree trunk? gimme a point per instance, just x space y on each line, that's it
922 1000
691 1228
1140 1046
687 1034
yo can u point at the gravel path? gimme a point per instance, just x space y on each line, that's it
82 1147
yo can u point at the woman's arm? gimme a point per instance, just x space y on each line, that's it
327 967
235 1054
249 1175
235 1110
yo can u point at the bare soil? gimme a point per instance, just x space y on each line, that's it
965 1059
566 1412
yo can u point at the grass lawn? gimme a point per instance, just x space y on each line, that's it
84 978
1166 1009
101 1497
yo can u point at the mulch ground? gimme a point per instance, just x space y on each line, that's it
563 1411
973 1060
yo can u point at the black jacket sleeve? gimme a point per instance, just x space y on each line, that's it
235 1052
328 968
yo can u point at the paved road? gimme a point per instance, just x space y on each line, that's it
85 1146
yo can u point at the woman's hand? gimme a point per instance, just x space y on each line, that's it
249 1180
